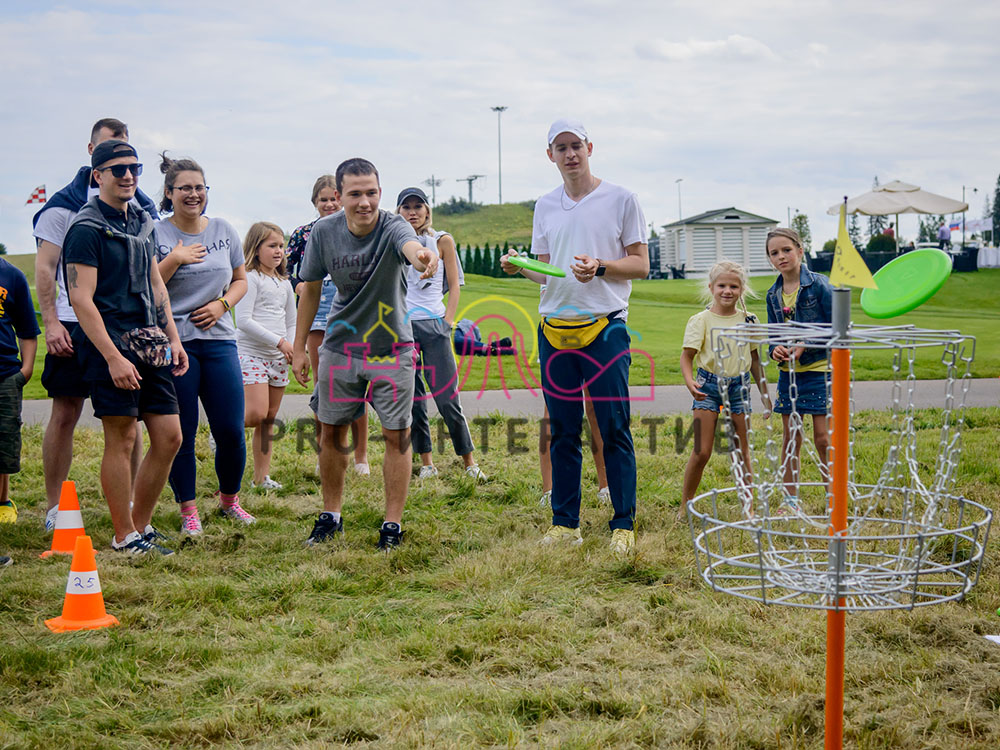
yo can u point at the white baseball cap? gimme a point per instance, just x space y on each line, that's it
567 125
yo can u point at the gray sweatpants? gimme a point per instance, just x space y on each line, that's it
437 366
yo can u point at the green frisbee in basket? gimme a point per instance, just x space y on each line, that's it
906 283
537 266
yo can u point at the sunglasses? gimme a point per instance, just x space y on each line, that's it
119 170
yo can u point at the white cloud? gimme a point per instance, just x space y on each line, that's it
735 45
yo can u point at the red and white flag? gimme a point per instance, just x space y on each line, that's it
37 195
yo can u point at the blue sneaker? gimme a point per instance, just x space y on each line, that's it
136 545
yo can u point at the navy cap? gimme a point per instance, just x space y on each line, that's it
108 150
411 192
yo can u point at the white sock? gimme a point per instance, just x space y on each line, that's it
336 516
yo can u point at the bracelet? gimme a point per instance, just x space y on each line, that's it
225 303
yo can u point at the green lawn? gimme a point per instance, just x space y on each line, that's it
470 635
659 311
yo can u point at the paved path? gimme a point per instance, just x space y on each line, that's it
664 399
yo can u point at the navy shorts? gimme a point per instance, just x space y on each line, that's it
811 397
62 377
738 388
156 394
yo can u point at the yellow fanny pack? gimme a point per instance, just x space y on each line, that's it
573 334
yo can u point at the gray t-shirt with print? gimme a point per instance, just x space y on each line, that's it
196 284
370 275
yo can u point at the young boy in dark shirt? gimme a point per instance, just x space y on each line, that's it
18 326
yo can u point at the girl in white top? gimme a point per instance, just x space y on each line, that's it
727 286
265 320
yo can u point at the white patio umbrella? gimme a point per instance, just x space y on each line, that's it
896 198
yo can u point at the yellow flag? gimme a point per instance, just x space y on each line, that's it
849 267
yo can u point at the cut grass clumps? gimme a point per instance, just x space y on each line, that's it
470 635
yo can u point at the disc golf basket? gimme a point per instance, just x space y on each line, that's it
852 531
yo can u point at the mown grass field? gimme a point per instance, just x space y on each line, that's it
470 635
658 313
492 224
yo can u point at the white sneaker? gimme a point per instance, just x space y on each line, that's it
50 518
476 473
426 472
268 484
604 496
546 498
362 469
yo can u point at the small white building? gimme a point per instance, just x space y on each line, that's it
695 244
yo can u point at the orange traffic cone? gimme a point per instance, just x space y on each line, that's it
69 522
84 605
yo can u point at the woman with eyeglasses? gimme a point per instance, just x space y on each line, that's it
326 202
201 260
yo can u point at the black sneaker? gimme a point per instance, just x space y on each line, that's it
325 528
5 561
389 536
506 341
136 545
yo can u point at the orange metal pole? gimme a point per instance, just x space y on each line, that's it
835 619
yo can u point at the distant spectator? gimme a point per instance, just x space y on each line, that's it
889 231
944 236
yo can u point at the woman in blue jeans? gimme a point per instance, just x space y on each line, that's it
201 260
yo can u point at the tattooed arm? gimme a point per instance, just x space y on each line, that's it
165 319
81 282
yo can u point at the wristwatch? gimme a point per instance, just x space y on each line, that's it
601 268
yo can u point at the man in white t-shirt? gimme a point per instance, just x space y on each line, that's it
62 376
596 232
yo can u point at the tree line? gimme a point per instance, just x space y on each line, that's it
485 261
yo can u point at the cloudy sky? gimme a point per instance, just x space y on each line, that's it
762 106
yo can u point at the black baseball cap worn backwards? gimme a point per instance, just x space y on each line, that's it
108 150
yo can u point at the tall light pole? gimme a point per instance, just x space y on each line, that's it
789 209
680 214
433 183
499 111
974 190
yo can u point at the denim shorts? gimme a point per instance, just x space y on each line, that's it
325 302
738 387
811 397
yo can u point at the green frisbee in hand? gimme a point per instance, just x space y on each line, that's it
530 264
906 283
